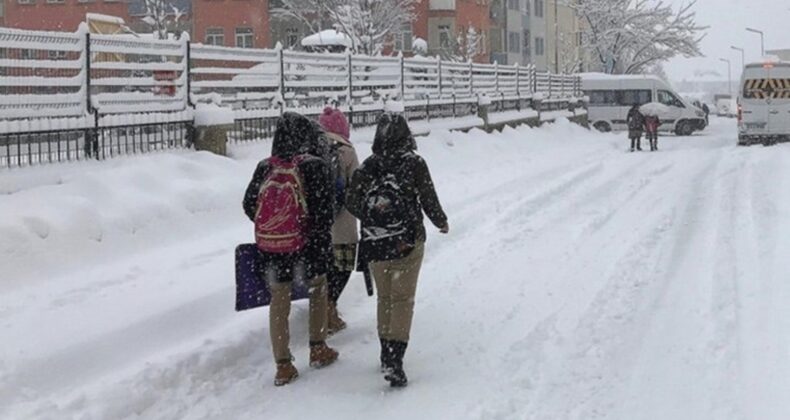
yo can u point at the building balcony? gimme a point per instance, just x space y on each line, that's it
442 5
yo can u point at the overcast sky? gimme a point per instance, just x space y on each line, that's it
727 20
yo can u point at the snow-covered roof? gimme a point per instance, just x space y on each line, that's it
98 17
769 59
606 76
327 38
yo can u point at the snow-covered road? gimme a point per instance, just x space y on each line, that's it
578 282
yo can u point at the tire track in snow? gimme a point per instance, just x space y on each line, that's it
604 327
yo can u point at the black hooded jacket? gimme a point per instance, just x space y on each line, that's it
296 135
394 152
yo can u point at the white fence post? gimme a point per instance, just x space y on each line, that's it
496 76
402 78
471 78
439 64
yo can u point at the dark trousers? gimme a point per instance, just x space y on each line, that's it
337 281
636 142
653 138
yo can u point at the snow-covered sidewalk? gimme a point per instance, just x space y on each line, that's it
578 282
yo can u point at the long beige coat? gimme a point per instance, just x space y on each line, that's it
344 231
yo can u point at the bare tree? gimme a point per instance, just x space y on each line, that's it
629 36
370 24
162 16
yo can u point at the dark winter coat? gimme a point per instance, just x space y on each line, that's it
394 153
296 135
635 122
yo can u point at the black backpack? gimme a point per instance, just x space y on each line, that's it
387 226
329 152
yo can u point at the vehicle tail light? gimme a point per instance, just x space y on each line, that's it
740 114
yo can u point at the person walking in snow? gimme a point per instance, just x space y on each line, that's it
344 231
635 122
706 110
652 122
290 200
389 194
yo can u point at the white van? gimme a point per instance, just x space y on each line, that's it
764 103
611 96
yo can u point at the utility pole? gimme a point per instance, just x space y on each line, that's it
556 38
729 74
743 57
762 40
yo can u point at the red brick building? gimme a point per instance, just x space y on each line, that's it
232 23
58 15
441 21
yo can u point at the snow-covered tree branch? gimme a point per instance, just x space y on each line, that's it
162 16
465 46
629 36
368 23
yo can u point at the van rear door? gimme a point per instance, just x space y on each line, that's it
756 98
779 109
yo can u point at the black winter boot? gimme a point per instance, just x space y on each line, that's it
394 372
385 355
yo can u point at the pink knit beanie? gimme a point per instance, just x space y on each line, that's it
332 120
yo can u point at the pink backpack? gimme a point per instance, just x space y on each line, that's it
281 218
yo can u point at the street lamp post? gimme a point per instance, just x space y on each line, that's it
729 74
743 55
762 40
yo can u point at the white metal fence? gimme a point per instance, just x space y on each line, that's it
78 83
58 74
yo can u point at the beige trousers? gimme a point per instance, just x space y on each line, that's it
396 285
280 309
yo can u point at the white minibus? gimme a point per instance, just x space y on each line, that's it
611 96
764 103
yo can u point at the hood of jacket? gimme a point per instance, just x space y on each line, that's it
295 134
393 136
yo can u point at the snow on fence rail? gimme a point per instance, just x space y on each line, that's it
59 74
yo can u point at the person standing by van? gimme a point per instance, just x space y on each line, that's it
652 122
389 194
344 231
636 123
290 200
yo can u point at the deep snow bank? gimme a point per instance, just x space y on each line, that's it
57 217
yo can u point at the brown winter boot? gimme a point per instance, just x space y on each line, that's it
286 373
334 322
322 355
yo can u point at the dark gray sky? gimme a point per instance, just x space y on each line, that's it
728 20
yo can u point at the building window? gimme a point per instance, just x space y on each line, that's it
28 54
291 37
540 46
539 8
56 55
56 1
444 36
513 42
527 43
514 4
244 37
403 40
527 8
215 36
26 1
